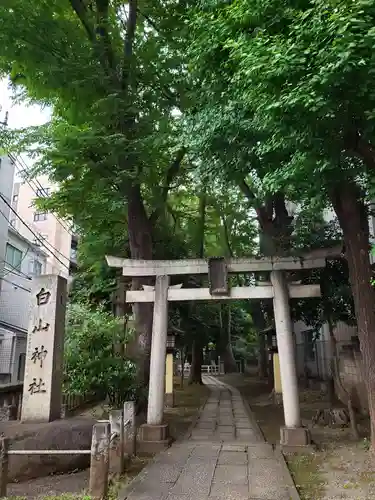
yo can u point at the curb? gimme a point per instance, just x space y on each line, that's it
294 495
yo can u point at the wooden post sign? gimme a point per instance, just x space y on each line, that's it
218 276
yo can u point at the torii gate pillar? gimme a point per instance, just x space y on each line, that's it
155 434
293 434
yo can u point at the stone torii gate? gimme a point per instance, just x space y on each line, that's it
155 431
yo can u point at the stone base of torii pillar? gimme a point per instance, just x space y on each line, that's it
293 438
153 438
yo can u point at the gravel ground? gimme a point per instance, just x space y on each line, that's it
52 485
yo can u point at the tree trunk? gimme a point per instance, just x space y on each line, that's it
195 376
260 324
141 247
348 203
333 347
226 352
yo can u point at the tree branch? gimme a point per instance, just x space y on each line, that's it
202 221
360 148
172 214
367 152
148 19
106 56
102 20
131 25
226 235
80 9
173 170
262 211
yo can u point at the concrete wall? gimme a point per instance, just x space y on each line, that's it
58 239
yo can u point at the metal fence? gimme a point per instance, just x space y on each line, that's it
206 369
71 402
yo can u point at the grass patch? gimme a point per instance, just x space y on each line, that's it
308 478
114 488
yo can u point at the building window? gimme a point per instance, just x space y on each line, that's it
13 257
37 269
21 367
40 216
43 192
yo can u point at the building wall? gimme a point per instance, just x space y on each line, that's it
316 356
312 351
15 295
344 333
15 306
57 237
6 186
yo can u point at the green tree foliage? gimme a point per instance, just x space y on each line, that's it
179 126
107 69
239 147
300 78
94 359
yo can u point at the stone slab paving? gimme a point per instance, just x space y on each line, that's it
223 457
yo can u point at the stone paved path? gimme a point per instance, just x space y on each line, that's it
223 457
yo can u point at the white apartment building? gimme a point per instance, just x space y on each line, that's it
31 243
47 230
6 189
20 260
23 261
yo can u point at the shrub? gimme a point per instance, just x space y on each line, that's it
94 355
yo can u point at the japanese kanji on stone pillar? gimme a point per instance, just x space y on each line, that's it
42 393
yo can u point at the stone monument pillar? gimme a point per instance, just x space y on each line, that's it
42 394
